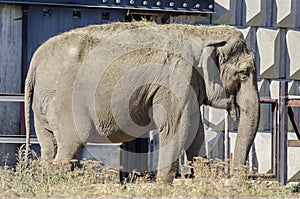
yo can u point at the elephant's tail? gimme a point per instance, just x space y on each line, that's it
29 84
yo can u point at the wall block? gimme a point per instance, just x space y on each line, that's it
293 90
268 58
287 13
225 12
249 34
214 144
274 89
265 109
246 31
292 42
256 12
293 160
216 118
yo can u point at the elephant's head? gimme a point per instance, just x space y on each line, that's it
238 75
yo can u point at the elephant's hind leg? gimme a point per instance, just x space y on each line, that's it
46 140
67 150
68 142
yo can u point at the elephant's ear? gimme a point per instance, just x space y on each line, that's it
216 44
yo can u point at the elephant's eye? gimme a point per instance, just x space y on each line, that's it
244 72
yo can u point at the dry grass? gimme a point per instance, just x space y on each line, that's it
94 180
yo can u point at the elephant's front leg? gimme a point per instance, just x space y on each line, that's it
170 148
195 144
173 134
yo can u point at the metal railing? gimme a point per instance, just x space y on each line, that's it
281 111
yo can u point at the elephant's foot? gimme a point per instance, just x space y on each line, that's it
166 175
67 150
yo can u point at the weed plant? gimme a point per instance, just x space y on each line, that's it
32 177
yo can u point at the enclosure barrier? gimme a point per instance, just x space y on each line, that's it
281 111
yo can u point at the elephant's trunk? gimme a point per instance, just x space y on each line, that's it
248 101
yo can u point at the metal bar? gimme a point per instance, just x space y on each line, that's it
109 7
103 144
11 97
294 102
293 143
22 119
275 138
282 137
268 101
294 97
16 139
274 142
20 139
293 120
227 144
11 94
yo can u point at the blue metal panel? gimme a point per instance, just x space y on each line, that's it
45 22
177 6
42 22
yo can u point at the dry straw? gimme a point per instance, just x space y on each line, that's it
92 179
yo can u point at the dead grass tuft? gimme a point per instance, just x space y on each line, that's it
91 179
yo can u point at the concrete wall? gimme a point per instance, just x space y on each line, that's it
10 74
272 31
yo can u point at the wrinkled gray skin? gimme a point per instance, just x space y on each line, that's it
53 75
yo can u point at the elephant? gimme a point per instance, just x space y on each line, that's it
114 82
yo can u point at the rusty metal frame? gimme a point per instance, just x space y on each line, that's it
274 140
281 111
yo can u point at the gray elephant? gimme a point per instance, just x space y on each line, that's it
112 83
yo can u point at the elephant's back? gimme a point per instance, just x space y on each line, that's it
202 32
